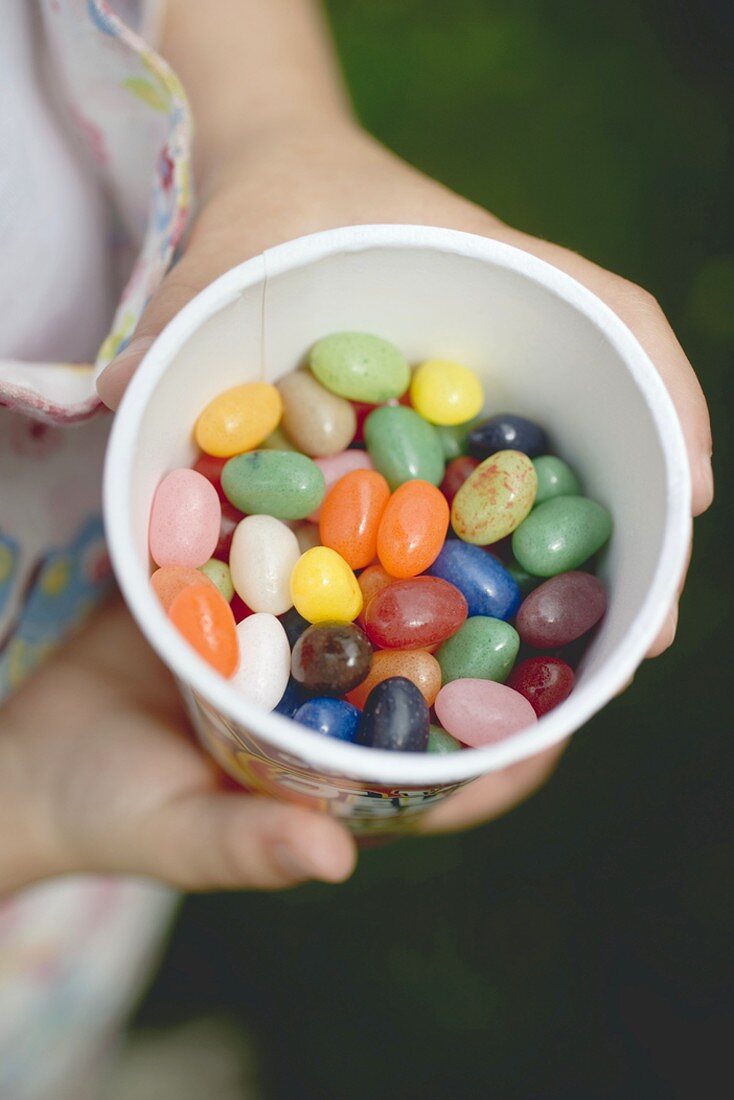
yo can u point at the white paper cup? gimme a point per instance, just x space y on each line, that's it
544 346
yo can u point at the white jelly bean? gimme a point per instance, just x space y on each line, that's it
265 660
184 520
262 557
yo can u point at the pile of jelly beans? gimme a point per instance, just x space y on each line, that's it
358 549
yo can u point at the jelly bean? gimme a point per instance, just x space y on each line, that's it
211 468
283 484
360 367
403 445
525 581
240 610
324 588
318 422
219 574
169 580
231 516
294 625
495 498
415 613
264 553
395 717
265 660
506 432
482 712
457 471
371 581
204 618
184 520
238 419
454 438
440 741
484 582
331 717
278 441
543 681
561 610
351 515
331 658
446 393
482 649
417 665
555 479
412 528
361 410
561 534
307 534
336 466
292 698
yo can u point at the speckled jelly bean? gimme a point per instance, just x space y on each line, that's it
336 466
360 366
504 433
457 471
395 717
555 478
412 528
204 618
330 717
169 580
318 422
482 649
284 484
238 419
324 588
454 438
561 610
445 392
184 520
439 741
230 517
402 445
219 574
264 663
351 515
543 681
495 498
211 468
482 712
485 583
331 658
263 556
561 534
414 614
416 665
294 625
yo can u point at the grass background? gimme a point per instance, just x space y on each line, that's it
581 946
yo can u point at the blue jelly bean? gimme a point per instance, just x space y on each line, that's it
506 432
486 585
332 717
294 625
395 717
293 697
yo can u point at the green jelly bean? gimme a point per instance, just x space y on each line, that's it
360 367
277 441
402 445
495 498
218 572
555 479
440 741
561 534
526 582
482 649
284 484
453 437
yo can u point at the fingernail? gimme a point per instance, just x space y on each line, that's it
316 863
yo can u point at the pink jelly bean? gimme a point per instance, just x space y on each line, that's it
482 712
335 466
184 520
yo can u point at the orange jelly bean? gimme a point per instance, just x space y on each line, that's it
372 580
204 618
412 529
351 514
416 665
169 580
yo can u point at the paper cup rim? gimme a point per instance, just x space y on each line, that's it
336 758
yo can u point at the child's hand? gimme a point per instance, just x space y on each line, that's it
98 774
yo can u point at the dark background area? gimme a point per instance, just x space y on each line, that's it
580 946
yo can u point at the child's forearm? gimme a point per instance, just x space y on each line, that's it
249 66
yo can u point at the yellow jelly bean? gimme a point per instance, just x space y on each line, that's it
446 393
324 588
238 419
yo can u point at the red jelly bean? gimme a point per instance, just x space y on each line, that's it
412 529
351 514
415 613
240 610
544 681
561 610
211 468
231 516
457 471
372 580
361 411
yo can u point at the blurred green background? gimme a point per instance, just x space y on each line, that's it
580 946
